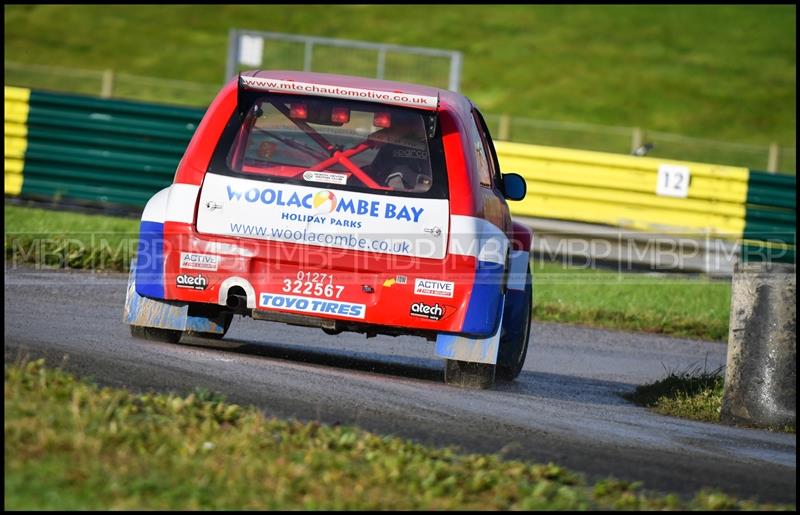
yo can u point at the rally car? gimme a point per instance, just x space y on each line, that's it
347 204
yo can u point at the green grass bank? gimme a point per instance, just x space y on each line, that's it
723 72
673 305
70 444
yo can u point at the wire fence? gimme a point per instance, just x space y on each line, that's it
624 140
248 49
627 140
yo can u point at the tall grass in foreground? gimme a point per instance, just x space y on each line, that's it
70 444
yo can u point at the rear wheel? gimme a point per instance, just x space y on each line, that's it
469 375
155 334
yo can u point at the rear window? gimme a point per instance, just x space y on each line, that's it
331 143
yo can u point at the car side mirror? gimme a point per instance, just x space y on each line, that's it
514 186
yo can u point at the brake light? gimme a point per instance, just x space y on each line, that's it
340 115
383 120
299 111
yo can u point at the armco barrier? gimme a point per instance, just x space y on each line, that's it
82 148
714 201
113 152
15 141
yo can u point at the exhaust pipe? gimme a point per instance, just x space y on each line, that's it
236 301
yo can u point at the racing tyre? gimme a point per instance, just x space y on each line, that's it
155 334
215 336
469 375
514 343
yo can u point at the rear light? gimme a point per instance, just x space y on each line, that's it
340 115
383 120
299 111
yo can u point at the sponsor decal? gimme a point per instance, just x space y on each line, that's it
330 177
325 202
194 282
326 90
319 284
199 261
434 288
311 305
422 310
323 217
400 279
410 154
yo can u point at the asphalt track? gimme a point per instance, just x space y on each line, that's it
565 407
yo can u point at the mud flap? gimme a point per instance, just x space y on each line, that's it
475 350
514 316
164 314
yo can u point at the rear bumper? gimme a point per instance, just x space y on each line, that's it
459 295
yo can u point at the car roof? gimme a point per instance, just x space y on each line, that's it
446 97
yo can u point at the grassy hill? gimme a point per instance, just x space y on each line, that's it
725 72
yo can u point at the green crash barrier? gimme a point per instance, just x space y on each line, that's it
770 232
119 153
99 151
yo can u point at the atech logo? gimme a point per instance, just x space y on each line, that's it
422 310
194 282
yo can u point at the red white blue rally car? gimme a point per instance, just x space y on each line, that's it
344 203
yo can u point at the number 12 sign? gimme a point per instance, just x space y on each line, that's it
673 181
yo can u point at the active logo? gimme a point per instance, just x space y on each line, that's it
199 261
422 310
433 288
193 282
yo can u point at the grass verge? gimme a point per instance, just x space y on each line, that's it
70 444
672 304
717 71
668 304
694 394
62 239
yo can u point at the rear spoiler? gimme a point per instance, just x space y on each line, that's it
397 98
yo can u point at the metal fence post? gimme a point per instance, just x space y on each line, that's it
504 130
107 88
455 71
636 139
381 63
772 161
233 55
308 56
